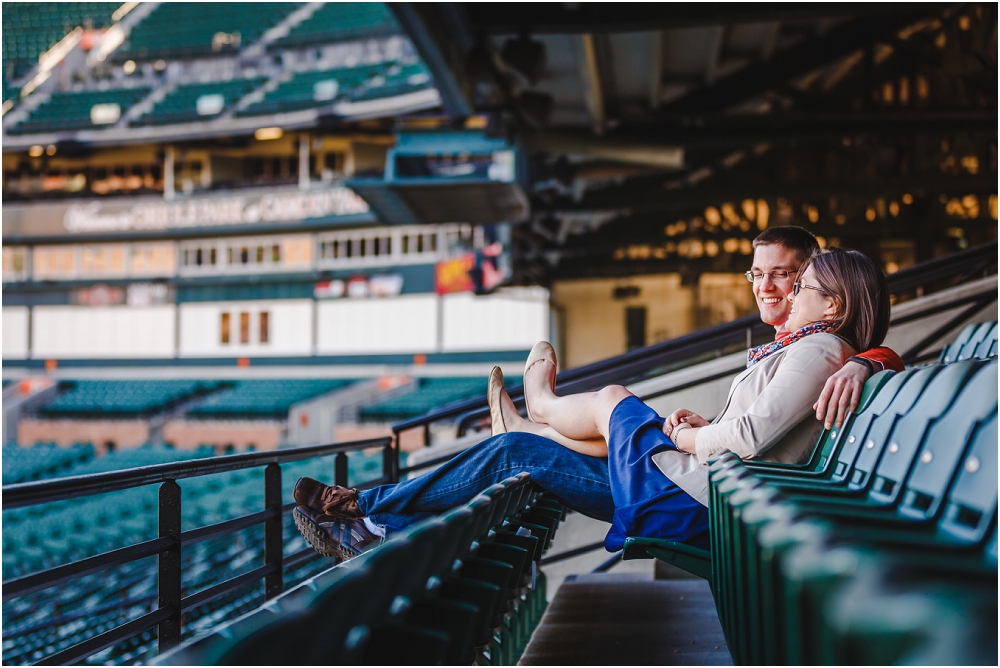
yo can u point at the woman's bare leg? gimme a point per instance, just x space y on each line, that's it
514 422
581 417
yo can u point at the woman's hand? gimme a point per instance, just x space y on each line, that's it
682 416
685 437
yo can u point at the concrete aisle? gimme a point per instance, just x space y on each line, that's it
629 619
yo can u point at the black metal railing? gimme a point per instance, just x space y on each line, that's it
705 344
171 539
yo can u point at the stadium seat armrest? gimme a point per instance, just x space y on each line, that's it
694 560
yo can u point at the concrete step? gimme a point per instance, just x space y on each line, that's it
629 619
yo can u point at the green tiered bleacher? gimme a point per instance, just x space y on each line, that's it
397 80
32 28
261 399
462 588
302 91
39 537
429 394
342 21
71 111
44 460
881 549
184 29
181 106
92 398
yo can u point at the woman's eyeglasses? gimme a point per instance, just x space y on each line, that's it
798 285
754 276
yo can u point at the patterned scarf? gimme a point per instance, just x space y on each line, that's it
755 355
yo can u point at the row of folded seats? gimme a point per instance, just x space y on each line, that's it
882 548
460 588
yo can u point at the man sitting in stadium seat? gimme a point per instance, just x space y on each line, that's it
342 522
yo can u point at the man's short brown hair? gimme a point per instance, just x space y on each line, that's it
796 239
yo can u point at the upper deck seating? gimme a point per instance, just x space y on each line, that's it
397 80
181 106
133 398
264 399
341 21
429 393
313 89
187 29
72 111
32 28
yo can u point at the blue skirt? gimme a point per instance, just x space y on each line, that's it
647 503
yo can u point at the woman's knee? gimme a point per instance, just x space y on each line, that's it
610 396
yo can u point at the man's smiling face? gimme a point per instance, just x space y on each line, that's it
769 293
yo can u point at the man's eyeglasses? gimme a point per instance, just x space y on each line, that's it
754 276
798 285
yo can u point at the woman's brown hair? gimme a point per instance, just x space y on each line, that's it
859 285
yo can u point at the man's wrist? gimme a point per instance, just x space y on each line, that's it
864 362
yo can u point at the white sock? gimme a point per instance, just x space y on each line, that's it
374 528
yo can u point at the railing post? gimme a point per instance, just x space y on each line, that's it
273 540
169 576
340 469
390 461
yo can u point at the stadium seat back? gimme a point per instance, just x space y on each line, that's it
943 449
852 437
908 434
877 437
972 502
988 344
950 352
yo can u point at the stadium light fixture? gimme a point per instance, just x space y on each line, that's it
266 134
36 151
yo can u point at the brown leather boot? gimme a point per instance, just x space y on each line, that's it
331 500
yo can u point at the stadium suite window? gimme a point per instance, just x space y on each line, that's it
224 329
264 333
244 327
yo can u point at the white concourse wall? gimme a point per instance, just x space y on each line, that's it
102 332
15 332
509 320
286 328
384 325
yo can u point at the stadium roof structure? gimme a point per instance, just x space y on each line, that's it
642 121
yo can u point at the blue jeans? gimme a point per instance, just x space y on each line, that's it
579 481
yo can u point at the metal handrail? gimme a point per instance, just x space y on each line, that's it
638 364
167 546
32 493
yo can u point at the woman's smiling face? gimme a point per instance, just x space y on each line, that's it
811 304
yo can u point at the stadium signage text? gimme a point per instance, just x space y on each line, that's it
269 208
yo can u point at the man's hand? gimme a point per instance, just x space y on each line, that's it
841 394
682 416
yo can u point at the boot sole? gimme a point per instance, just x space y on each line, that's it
319 539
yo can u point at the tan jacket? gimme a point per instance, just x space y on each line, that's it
769 413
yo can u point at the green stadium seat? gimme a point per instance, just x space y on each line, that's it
341 21
66 111
304 89
430 393
181 106
187 29
32 28
264 399
402 602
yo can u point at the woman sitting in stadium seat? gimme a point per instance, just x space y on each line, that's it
616 459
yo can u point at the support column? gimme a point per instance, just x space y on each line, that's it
168 173
304 162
